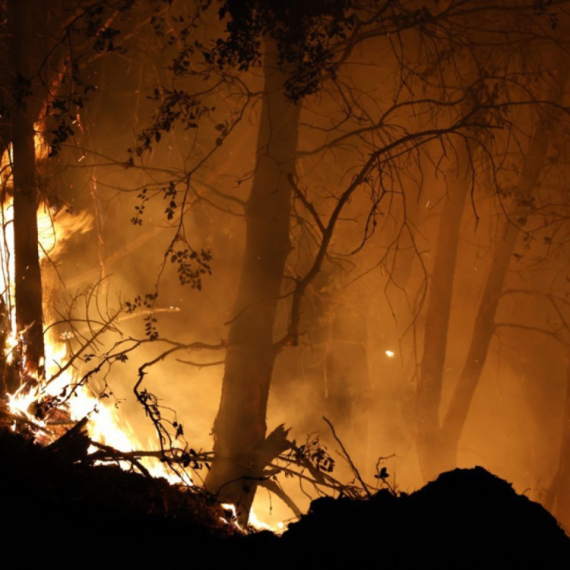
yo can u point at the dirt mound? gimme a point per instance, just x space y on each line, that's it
466 518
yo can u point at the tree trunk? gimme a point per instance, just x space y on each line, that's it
484 327
27 276
560 488
437 319
240 427
480 340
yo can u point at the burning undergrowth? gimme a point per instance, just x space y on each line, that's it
61 488
466 518
90 479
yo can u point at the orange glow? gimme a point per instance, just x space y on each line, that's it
254 521
104 426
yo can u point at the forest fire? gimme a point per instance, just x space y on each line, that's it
44 397
55 396
278 251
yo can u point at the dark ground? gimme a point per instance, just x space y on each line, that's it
62 511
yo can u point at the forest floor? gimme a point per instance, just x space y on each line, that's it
56 504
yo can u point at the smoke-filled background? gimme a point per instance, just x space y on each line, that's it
377 354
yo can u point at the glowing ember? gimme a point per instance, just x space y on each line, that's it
390 354
254 521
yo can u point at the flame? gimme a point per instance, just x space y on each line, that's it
254 521
53 236
41 149
61 386
232 519
61 389
257 524
56 230
59 392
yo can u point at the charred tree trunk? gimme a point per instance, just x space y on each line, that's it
27 277
240 447
430 449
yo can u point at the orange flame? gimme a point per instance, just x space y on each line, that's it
105 425
54 232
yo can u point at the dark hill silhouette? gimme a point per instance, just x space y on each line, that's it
56 505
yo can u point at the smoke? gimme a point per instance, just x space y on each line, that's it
363 317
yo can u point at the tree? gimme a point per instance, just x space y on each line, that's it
333 146
438 313
438 444
47 46
240 425
299 43
24 113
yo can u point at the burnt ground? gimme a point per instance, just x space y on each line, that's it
55 507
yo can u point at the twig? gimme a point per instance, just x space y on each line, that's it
347 457
274 488
117 455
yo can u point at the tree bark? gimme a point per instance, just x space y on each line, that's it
27 278
240 427
437 318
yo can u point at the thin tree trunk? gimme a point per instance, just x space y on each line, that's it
484 322
480 340
27 277
437 318
240 427
560 488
